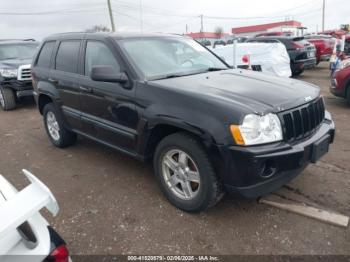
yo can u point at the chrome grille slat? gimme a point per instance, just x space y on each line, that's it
24 73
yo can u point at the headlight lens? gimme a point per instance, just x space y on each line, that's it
343 64
8 72
257 130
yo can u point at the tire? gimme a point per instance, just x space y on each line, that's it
297 73
206 193
348 95
57 133
7 99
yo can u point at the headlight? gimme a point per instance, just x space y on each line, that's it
8 72
257 130
343 64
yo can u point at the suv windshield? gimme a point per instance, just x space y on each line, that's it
17 51
159 58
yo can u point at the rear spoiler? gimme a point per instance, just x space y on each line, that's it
22 205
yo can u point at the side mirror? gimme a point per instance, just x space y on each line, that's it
108 74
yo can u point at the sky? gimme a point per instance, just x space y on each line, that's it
40 18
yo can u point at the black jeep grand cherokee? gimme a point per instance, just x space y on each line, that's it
209 129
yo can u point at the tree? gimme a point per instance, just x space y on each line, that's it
219 31
98 28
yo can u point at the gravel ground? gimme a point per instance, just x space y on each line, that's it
111 204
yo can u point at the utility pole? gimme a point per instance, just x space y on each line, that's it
201 16
111 15
323 14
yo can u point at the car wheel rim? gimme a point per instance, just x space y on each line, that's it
181 174
52 126
2 102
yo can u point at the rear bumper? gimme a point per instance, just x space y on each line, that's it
246 166
309 63
300 65
325 57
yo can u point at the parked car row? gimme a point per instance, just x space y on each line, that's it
302 54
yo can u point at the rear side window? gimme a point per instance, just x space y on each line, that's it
67 56
45 54
98 54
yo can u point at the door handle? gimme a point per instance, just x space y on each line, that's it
54 81
85 89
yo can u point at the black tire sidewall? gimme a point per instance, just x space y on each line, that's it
202 199
8 97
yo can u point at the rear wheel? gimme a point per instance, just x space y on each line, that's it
58 134
297 72
7 98
185 173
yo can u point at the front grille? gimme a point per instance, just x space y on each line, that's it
24 73
302 121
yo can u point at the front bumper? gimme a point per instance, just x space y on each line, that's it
244 167
335 89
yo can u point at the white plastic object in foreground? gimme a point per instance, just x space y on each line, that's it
24 204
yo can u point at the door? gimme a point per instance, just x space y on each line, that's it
108 110
66 79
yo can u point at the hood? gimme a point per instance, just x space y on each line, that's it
255 91
14 63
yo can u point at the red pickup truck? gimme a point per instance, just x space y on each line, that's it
324 46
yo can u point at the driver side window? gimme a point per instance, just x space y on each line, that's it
98 54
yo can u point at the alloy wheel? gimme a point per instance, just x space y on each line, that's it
181 174
52 126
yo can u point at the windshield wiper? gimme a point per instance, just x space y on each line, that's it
170 76
9 58
211 69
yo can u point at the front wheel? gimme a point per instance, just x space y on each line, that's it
7 98
58 134
348 95
185 173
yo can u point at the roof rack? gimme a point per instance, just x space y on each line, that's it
27 39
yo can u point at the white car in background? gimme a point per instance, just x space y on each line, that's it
25 235
269 58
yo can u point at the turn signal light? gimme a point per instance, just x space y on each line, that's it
236 134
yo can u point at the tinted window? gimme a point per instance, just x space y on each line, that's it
98 54
67 56
45 54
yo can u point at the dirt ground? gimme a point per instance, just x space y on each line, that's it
111 204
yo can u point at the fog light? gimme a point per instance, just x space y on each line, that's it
269 168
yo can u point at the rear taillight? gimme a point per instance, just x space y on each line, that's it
59 254
297 46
